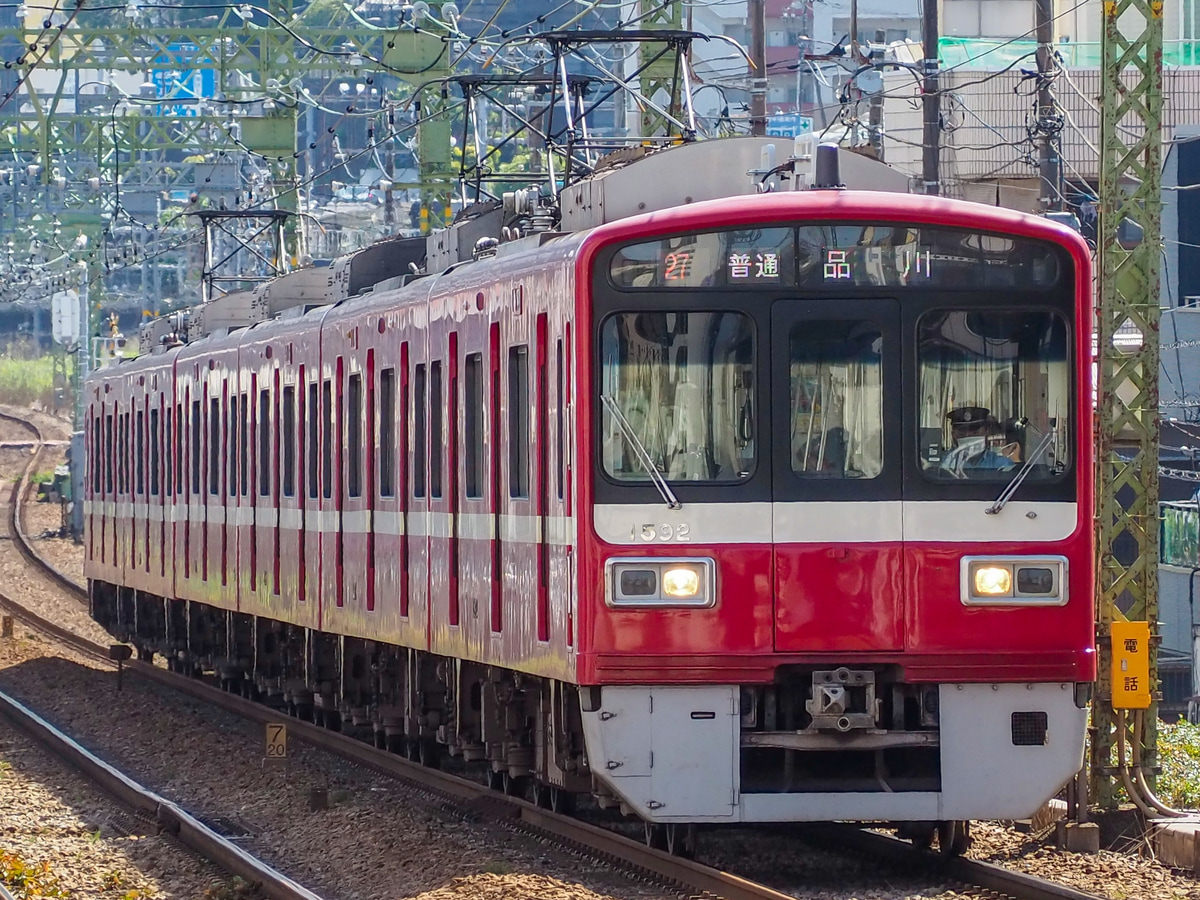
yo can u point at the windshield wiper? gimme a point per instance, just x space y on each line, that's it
1022 473
641 452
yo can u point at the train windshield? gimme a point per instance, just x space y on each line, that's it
994 395
684 383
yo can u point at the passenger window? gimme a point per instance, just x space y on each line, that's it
836 393
140 452
435 430
264 444
196 432
473 425
327 436
288 438
313 433
155 437
419 444
214 446
518 421
387 433
354 437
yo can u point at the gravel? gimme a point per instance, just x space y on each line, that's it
52 816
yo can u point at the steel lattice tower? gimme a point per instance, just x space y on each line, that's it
1128 298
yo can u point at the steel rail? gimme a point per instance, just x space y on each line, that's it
599 841
190 831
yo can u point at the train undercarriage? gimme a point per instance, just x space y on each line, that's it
818 744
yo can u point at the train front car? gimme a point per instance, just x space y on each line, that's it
836 458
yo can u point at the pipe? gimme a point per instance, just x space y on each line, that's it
1149 812
1139 727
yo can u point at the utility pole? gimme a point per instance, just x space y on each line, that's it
875 111
1131 101
931 104
1047 112
758 58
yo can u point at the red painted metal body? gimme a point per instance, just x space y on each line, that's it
509 570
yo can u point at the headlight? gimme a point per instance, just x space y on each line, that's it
993 581
1014 581
660 582
681 582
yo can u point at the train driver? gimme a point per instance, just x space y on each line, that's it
973 430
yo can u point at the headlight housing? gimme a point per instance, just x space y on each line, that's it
1014 581
658 581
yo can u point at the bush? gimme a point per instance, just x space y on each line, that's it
1179 756
23 380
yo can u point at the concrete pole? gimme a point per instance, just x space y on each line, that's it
757 10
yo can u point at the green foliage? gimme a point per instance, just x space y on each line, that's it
1179 756
233 889
24 379
29 881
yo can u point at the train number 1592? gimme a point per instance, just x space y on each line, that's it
652 532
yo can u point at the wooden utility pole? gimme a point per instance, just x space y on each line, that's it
758 59
1047 112
931 104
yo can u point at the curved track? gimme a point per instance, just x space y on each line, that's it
622 851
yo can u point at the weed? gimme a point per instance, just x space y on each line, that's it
233 889
29 881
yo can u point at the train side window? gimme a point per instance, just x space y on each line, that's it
108 454
155 437
473 425
313 433
122 453
288 439
354 436
435 429
244 445
97 453
234 407
214 446
419 444
518 421
196 446
387 433
168 451
180 478
264 443
140 452
559 414
327 436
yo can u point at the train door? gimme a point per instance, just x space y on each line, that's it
836 400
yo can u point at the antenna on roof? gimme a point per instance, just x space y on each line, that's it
827 173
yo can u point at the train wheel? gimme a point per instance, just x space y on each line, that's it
541 795
655 836
514 786
681 840
562 801
429 753
412 750
494 781
953 838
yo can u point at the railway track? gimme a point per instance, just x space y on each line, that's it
693 877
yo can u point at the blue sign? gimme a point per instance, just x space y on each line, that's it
788 125
174 82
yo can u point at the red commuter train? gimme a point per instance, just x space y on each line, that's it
764 508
